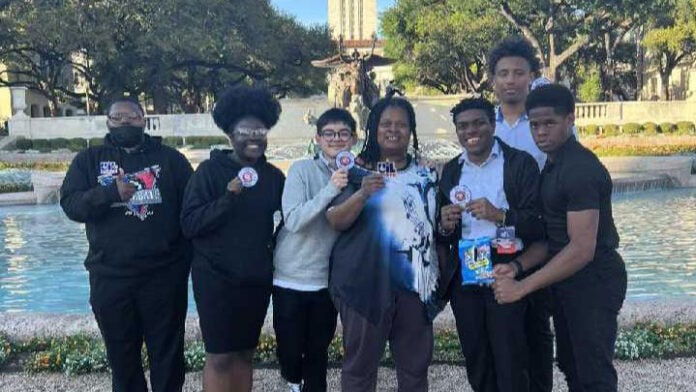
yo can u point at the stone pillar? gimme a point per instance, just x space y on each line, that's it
19 100
19 124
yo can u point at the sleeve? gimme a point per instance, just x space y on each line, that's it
582 187
80 198
525 214
202 211
298 209
442 201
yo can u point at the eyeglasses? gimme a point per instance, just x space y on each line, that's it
120 117
332 135
249 132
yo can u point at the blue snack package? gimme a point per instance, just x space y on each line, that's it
477 266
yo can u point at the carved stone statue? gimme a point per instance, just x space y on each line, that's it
350 85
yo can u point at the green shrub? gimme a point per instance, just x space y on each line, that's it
655 340
632 128
24 144
656 150
591 130
43 145
77 144
611 130
667 127
45 166
650 128
173 141
58 143
685 128
203 142
73 355
5 349
15 187
96 141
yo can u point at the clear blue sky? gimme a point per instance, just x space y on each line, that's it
315 11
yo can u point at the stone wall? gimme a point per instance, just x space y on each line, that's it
432 116
601 113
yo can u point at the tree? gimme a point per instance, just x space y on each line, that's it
672 40
558 29
442 44
178 54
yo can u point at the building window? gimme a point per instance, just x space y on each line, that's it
34 111
46 111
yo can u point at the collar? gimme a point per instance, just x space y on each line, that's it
329 164
495 153
499 118
569 144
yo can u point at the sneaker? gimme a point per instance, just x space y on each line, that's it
294 387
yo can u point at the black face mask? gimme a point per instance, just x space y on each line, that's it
127 136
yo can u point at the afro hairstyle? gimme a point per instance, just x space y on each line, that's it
243 101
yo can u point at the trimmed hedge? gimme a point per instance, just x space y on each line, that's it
81 354
632 128
685 128
611 130
650 128
667 127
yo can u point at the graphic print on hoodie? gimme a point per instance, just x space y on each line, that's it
391 244
145 183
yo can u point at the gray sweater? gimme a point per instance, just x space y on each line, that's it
301 257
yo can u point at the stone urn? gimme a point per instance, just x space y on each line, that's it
47 186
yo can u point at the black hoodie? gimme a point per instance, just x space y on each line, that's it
232 234
128 240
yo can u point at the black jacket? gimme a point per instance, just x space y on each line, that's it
232 234
128 240
521 186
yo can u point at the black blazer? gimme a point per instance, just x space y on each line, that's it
521 185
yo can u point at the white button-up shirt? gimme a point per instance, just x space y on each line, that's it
484 181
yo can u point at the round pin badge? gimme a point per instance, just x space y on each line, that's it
248 176
460 195
345 160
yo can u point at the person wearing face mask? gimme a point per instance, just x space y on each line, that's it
128 193
230 221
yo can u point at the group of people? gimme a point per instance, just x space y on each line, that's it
515 229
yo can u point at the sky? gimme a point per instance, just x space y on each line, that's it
315 11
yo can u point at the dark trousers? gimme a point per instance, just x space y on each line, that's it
410 337
492 337
150 307
304 324
586 307
539 340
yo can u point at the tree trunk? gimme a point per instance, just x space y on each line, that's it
664 77
609 68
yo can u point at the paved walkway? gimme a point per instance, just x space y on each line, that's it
676 375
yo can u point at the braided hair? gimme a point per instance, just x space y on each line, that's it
371 152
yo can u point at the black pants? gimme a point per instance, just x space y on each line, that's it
304 324
540 340
586 307
493 340
150 307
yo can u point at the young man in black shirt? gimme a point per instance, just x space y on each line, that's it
587 274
